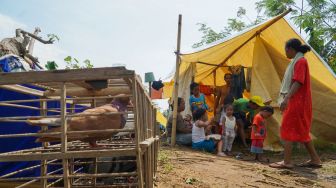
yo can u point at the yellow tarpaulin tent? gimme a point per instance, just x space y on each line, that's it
262 49
160 118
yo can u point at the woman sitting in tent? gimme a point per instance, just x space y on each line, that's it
183 126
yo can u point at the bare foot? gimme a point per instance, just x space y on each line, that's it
281 165
221 154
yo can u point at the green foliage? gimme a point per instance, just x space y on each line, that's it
272 8
209 35
53 37
318 20
73 63
51 65
165 161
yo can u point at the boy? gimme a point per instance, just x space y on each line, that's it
258 133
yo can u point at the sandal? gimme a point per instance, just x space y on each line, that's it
309 165
280 165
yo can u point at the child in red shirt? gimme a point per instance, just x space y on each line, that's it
258 133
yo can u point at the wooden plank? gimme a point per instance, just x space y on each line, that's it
136 102
147 143
64 75
22 89
64 138
73 176
150 168
44 166
81 92
68 155
25 106
83 84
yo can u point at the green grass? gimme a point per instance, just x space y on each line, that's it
324 146
164 160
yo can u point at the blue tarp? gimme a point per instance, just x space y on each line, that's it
14 144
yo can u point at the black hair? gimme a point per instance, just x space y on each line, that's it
227 105
267 109
179 101
198 113
226 74
192 86
297 45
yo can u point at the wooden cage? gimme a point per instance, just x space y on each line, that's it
88 88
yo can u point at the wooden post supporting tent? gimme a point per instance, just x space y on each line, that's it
215 94
176 81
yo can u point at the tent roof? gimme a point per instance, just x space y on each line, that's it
238 50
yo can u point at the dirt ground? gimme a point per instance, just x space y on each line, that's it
183 167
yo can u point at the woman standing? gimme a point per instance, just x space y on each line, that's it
296 104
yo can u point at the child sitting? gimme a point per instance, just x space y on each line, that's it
229 129
258 133
198 133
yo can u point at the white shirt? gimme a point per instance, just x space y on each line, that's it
198 134
230 124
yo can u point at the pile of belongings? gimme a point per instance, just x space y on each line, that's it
14 63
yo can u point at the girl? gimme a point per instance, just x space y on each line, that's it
197 99
258 133
229 129
198 133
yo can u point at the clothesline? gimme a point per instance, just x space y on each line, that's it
204 63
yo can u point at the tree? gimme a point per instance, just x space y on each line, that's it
318 20
233 25
71 63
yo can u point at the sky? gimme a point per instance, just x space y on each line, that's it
140 34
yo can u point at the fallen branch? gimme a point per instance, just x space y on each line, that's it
274 178
251 185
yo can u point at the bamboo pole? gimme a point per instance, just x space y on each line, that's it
64 139
35 180
176 82
22 89
68 133
60 179
71 98
136 102
25 169
95 164
72 115
25 106
215 94
254 35
72 160
82 175
44 167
